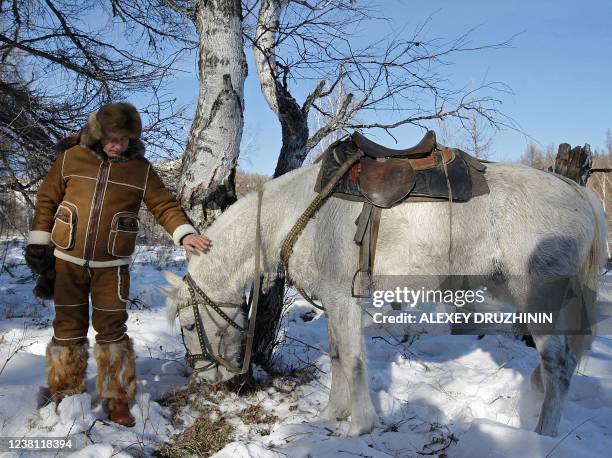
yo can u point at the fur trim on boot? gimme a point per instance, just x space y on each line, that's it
66 368
116 382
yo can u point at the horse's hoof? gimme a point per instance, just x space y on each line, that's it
363 425
547 430
551 433
330 413
358 430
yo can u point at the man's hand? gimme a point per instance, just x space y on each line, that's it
39 258
193 242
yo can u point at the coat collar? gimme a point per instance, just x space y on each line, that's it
135 149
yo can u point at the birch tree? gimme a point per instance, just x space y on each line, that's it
209 163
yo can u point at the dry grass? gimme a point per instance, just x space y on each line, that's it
255 414
176 400
209 434
212 430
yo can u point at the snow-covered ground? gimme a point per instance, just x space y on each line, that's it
459 395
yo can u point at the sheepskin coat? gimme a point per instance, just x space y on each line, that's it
88 204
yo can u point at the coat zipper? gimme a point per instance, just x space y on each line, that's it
95 212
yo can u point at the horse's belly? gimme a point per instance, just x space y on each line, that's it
422 239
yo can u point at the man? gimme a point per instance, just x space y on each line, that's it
87 208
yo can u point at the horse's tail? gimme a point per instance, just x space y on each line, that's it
590 272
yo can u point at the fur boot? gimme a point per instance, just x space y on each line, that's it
116 382
66 369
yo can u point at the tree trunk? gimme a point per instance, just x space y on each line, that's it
206 184
268 320
294 124
575 163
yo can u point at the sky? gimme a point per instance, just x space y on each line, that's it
558 68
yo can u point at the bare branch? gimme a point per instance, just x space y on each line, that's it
188 12
400 79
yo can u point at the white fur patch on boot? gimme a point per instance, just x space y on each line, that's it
66 368
116 379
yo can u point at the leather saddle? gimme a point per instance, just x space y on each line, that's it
387 176
427 171
421 149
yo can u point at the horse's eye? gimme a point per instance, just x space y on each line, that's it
189 327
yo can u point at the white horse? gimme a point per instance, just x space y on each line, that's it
531 222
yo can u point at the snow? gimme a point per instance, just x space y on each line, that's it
459 395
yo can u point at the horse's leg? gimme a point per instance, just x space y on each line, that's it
345 319
536 378
557 367
339 403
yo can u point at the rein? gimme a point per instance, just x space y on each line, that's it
198 297
300 224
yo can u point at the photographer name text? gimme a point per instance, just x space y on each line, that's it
463 318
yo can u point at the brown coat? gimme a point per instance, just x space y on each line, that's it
88 205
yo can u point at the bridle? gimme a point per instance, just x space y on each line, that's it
198 297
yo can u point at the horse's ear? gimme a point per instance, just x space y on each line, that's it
173 279
169 292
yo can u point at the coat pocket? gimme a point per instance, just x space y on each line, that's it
122 238
64 226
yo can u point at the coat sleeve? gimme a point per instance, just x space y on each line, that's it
165 208
49 196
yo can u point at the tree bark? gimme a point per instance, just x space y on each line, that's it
574 163
294 126
206 185
294 120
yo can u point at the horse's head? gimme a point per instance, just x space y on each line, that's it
212 342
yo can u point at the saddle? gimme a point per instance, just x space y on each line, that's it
387 176
369 148
428 171
383 178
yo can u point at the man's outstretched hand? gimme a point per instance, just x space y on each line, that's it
193 242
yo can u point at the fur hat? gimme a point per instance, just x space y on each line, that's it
120 119
116 118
